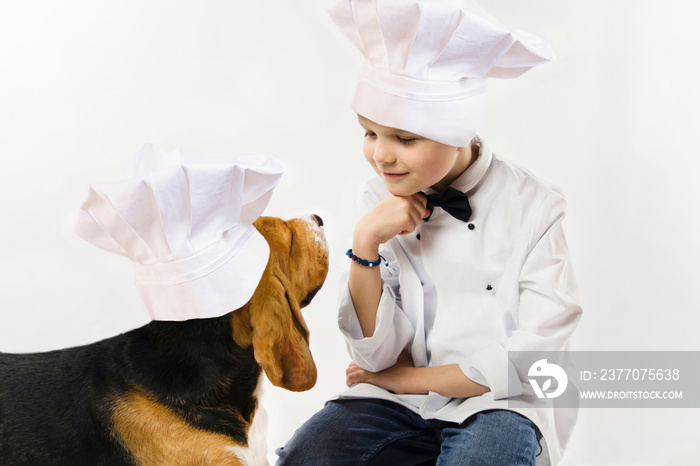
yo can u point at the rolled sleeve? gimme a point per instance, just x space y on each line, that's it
392 333
492 368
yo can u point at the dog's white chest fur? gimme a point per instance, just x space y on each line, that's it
255 454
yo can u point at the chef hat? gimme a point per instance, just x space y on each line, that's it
427 60
186 223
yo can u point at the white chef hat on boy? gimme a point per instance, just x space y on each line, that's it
187 224
427 60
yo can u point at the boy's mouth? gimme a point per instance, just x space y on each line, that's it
393 176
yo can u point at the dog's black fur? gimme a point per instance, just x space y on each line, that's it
194 367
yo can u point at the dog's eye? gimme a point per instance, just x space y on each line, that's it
307 299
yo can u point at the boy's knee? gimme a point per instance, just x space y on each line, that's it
299 449
297 452
282 457
312 440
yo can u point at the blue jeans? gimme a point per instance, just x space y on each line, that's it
355 432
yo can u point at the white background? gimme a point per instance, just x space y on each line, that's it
84 84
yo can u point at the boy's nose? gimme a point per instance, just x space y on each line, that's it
383 153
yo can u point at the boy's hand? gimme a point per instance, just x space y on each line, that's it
395 379
394 215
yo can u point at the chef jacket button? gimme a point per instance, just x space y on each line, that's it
471 226
418 236
489 287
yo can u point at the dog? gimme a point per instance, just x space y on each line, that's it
175 393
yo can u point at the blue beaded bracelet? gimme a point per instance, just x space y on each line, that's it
364 262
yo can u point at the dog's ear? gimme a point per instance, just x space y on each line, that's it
280 335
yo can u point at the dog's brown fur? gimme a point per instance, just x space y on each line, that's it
156 436
169 393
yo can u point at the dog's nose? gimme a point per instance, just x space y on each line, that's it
318 219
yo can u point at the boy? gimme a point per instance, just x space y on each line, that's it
458 256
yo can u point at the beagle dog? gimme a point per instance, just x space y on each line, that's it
171 393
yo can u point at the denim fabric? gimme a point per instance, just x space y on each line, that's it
359 432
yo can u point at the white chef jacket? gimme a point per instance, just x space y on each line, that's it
467 293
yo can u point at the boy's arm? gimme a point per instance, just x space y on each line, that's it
394 215
365 285
403 378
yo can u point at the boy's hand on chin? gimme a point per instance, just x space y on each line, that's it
394 215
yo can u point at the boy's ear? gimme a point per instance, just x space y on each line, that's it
280 336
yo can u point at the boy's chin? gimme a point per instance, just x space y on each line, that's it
402 189
396 191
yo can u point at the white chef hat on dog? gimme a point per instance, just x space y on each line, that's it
427 60
186 223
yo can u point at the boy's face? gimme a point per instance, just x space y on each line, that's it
409 163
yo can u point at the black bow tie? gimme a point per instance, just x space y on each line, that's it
452 201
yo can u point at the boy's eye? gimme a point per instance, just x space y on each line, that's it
404 140
369 134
